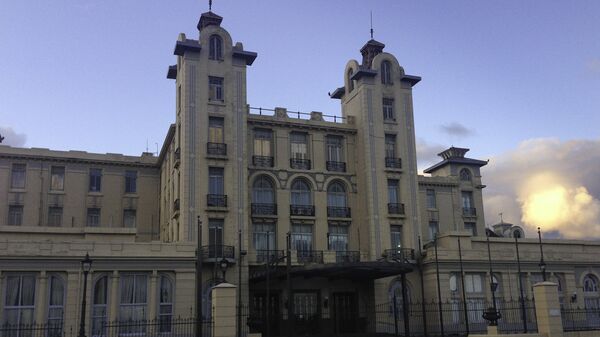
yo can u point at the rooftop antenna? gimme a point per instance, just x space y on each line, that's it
371 25
146 144
209 5
500 214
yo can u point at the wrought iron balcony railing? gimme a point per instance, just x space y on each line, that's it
306 210
269 256
347 256
218 252
393 162
300 164
396 208
338 212
400 254
309 256
337 166
263 209
216 200
216 149
469 211
262 161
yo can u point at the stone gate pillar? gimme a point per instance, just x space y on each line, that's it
224 310
547 309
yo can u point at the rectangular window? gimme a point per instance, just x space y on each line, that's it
473 283
215 88
264 236
388 109
17 177
129 216
215 130
57 178
431 202
467 200
302 237
133 303
262 142
299 145
215 238
471 227
338 236
393 193
390 146
130 181
434 228
396 236
93 217
95 180
19 301
55 216
216 181
15 215
335 148
56 306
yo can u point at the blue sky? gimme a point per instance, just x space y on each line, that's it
90 75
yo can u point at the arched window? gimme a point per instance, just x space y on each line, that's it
215 48
336 200
262 191
301 194
165 309
465 175
453 283
590 284
386 72
350 81
56 306
99 307
395 292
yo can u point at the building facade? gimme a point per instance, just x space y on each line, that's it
333 201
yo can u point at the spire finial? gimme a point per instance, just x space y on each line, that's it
371 25
501 220
209 5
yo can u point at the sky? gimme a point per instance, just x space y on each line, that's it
515 81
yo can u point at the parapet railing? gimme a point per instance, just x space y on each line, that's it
318 116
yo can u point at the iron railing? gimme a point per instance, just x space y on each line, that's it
304 210
400 254
216 149
262 161
300 164
216 200
469 211
295 114
269 256
396 208
347 256
337 166
580 319
309 256
338 212
263 209
393 162
218 252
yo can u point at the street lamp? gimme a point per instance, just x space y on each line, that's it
542 263
86 265
223 264
491 314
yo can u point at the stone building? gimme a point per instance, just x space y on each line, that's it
341 191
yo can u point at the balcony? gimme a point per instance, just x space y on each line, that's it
396 208
303 210
309 256
347 256
263 209
216 200
269 256
216 253
262 161
300 164
216 149
469 211
338 212
400 254
177 157
336 166
395 163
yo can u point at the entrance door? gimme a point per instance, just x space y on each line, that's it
307 313
345 314
258 314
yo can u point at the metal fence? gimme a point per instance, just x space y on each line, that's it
580 319
161 327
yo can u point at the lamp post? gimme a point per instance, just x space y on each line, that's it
223 265
86 265
542 263
491 314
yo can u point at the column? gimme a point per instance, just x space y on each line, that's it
224 310
40 298
547 309
152 296
113 312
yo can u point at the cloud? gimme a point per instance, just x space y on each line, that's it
548 183
11 137
427 153
593 65
457 130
